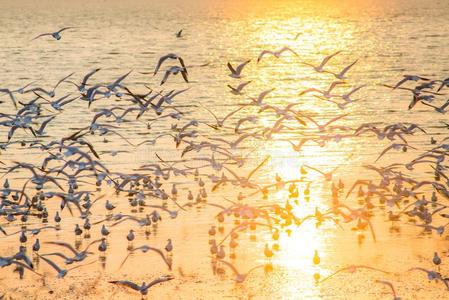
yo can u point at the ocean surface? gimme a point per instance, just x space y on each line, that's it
388 38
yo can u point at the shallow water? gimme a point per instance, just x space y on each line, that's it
390 38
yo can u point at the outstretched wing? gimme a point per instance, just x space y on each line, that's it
41 35
127 284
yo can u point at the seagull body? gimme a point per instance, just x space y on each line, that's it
237 72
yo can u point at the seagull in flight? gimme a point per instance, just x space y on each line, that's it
326 93
276 54
409 78
237 72
343 72
240 277
169 56
82 86
440 109
174 71
56 35
239 89
320 67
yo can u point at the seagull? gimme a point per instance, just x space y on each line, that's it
343 72
82 86
409 78
322 127
237 73
238 90
56 35
347 96
50 93
143 289
240 277
233 145
11 93
326 93
179 33
276 54
260 98
58 104
444 83
62 272
244 181
440 109
11 96
433 275
395 146
320 67
220 122
174 71
169 56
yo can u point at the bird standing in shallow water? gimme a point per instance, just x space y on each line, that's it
130 237
316 258
169 246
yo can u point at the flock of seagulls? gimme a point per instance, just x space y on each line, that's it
70 180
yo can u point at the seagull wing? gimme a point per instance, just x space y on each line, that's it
65 28
184 75
346 69
160 62
261 55
289 50
231 68
242 65
127 284
258 167
41 35
242 85
335 119
181 61
400 83
63 244
158 280
167 73
88 75
327 58
51 263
